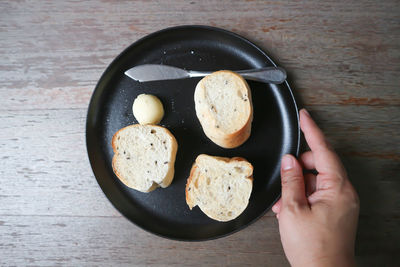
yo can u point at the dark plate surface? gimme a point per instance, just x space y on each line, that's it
275 129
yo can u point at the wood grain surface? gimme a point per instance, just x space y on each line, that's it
343 61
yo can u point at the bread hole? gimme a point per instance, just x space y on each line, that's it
165 162
245 99
235 110
226 82
239 169
153 131
208 180
124 152
229 188
229 173
128 158
163 142
155 162
206 170
189 188
230 213
119 137
165 147
217 126
151 144
148 171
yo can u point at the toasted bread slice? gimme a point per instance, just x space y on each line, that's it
144 156
224 108
221 187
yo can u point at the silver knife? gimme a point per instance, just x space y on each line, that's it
154 72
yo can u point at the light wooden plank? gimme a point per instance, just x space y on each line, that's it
105 241
55 53
44 165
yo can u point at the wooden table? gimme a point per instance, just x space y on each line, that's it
343 61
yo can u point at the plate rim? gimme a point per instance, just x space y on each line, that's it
143 39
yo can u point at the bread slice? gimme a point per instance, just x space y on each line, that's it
224 108
144 156
221 187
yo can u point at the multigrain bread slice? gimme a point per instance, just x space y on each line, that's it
224 108
221 187
144 156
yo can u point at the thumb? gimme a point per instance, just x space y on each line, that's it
293 188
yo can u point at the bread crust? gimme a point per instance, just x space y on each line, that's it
170 174
189 201
219 137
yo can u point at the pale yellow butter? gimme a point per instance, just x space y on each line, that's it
147 109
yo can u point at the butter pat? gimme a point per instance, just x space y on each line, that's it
147 109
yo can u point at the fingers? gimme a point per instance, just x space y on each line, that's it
310 187
325 159
314 136
276 208
293 188
307 160
311 182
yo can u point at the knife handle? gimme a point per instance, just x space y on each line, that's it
275 75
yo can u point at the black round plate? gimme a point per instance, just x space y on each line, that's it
275 128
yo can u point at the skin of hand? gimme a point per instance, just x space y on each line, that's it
317 214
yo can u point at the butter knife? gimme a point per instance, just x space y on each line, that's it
154 72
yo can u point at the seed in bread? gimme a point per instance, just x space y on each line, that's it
224 108
144 156
221 187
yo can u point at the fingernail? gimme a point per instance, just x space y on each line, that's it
306 112
287 162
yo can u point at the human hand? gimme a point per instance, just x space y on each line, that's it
317 214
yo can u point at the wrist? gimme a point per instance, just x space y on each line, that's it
328 261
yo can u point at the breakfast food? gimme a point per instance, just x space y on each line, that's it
147 109
221 187
144 156
224 108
